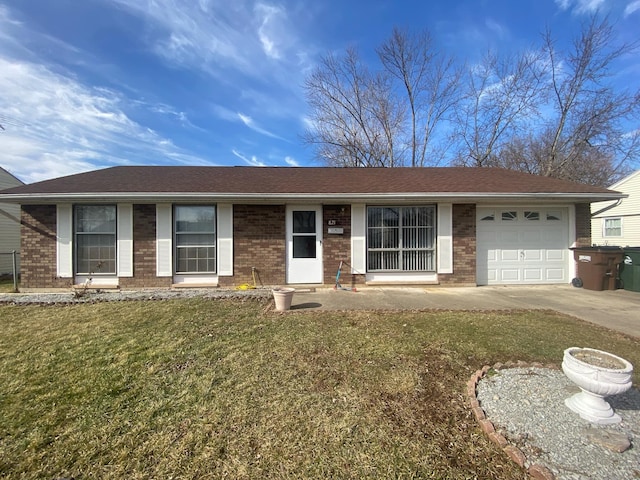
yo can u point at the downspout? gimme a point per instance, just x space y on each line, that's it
9 216
608 207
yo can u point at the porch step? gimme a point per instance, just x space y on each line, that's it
195 285
96 286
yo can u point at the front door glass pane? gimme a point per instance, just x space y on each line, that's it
304 222
304 247
304 234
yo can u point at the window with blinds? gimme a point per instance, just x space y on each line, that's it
95 235
401 239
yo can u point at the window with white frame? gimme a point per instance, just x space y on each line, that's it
401 239
95 239
195 238
612 227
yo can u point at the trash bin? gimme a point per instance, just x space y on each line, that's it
597 267
630 269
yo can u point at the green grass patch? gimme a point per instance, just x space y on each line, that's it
224 389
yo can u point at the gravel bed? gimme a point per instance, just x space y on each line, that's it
526 405
123 295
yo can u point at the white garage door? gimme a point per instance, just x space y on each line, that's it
522 245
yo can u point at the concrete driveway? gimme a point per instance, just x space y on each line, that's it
615 309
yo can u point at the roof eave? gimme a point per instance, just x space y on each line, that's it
146 197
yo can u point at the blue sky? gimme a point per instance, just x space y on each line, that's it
97 83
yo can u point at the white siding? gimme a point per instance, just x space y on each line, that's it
628 210
9 224
164 243
225 239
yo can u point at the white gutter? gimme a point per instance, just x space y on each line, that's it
288 197
608 207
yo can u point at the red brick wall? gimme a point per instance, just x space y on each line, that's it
258 241
464 247
337 247
583 225
144 251
38 248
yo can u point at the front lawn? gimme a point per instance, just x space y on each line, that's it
6 284
227 389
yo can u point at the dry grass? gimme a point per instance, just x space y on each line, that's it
222 389
6 284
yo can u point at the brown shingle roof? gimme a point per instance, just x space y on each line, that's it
303 180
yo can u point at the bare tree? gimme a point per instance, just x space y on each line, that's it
385 117
592 122
355 120
529 154
544 111
429 82
502 96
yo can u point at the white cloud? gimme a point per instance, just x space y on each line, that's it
291 161
63 126
500 30
248 121
631 8
218 36
253 161
272 27
581 6
191 34
224 113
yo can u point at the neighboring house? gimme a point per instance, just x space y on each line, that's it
618 223
9 224
184 226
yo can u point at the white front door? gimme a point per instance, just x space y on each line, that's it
304 244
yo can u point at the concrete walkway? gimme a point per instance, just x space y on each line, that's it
615 309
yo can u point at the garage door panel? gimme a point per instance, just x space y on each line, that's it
523 249
491 256
532 255
492 275
555 235
533 274
530 236
511 275
556 275
489 237
555 255
509 255
508 237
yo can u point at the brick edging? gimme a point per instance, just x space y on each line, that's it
535 470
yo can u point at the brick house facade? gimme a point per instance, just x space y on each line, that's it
253 236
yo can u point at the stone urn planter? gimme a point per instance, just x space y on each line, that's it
283 297
598 374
